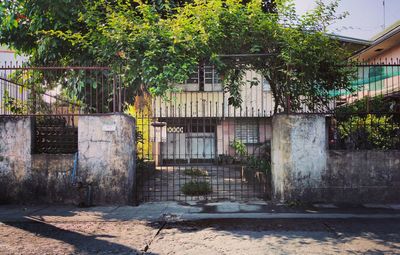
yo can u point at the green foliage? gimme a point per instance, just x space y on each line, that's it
370 132
13 105
196 188
259 164
377 104
195 172
239 147
156 44
368 123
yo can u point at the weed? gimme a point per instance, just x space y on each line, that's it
195 172
196 188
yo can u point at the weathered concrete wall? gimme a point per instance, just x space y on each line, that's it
299 153
368 176
106 146
51 181
106 162
26 177
303 169
15 156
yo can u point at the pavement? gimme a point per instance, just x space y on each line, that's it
174 211
200 228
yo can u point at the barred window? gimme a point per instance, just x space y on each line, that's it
207 78
246 131
211 76
194 78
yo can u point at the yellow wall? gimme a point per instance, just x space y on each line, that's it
143 121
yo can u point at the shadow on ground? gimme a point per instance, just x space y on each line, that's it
82 243
333 233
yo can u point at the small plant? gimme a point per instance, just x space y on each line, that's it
370 132
195 172
196 188
239 147
259 164
295 203
14 105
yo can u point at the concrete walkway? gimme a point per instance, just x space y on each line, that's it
172 211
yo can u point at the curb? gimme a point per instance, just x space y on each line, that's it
205 216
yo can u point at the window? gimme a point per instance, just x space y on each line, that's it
193 78
211 76
206 78
246 131
266 85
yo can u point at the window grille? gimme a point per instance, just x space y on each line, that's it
247 131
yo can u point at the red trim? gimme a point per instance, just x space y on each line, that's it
7 51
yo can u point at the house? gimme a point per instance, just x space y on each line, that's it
200 125
380 72
383 46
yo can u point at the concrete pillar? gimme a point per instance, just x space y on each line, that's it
107 156
15 156
299 156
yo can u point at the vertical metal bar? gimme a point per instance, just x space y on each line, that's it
114 92
119 93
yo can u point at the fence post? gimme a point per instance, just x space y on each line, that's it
299 156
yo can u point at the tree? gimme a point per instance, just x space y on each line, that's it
157 44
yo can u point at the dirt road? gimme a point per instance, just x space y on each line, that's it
202 237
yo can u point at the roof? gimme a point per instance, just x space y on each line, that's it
382 41
348 39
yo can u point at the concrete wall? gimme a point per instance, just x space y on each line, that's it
15 155
362 176
303 169
298 156
106 163
31 178
50 179
106 146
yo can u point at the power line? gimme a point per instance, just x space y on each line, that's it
384 14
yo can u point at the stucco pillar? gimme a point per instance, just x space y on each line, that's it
299 156
106 161
15 156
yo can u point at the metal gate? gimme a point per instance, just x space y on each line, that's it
206 152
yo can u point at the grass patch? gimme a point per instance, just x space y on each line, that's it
195 172
196 188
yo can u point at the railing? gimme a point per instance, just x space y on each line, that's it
363 116
71 90
55 97
367 116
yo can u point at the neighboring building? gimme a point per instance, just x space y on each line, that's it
384 46
380 73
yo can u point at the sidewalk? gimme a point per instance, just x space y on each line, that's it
173 211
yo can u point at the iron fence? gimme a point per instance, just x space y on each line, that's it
54 90
195 145
208 157
55 97
367 114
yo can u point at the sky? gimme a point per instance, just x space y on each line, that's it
365 18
